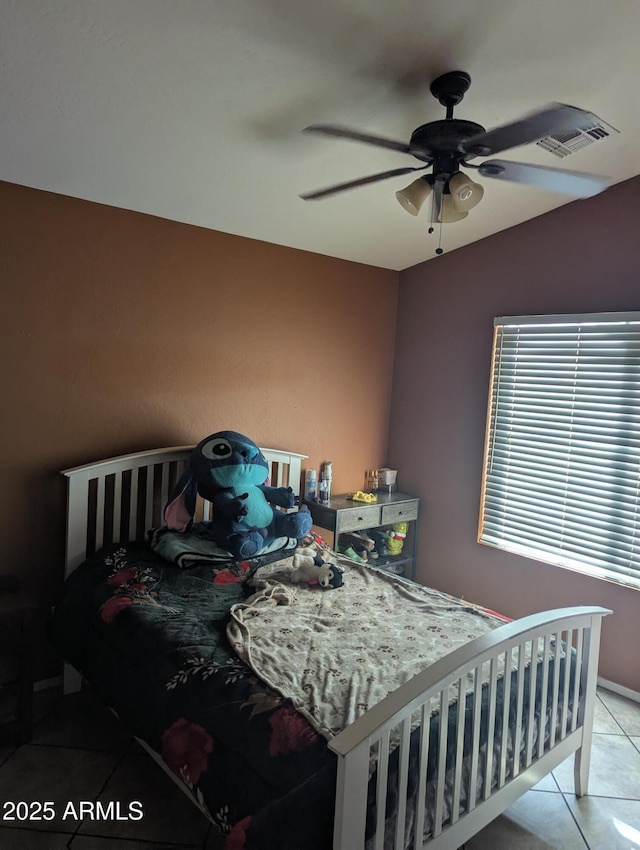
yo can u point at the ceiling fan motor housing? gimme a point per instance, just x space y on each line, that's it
442 137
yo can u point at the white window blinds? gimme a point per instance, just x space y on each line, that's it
562 461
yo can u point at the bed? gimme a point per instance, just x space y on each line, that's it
174 644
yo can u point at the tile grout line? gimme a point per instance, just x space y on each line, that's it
565 801
95 798
615 719
624 732
612 713
584 837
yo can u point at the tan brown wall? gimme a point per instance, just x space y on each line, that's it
121 331
582 257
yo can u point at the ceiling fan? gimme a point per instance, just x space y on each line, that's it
446 145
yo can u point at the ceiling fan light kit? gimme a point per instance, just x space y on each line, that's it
414 195
465 192
449 212
445 145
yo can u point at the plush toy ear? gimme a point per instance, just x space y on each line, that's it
179 510
336 578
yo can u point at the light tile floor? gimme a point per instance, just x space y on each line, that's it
79 751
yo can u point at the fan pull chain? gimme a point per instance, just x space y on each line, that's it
439 249
433 213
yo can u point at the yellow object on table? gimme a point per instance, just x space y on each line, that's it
360 496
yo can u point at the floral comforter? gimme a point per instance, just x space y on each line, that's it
150 638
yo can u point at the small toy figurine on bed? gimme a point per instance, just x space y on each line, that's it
309 566
229 470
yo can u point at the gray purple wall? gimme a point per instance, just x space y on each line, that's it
582 257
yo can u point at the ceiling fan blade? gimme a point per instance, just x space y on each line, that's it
356 136
361 181
575 183
555 118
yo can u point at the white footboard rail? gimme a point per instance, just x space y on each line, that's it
493 746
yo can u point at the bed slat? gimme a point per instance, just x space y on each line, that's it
576 682
555 714
381 789
133 504
117 507
493 682
164 485
206 510
543 699
425 729
522 649
403 782
506 701
457 776
100 511
533 670
475 743
442 760
565 692
148 501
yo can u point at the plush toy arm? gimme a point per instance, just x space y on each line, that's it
229 506
281 496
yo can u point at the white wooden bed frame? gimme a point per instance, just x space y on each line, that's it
119 498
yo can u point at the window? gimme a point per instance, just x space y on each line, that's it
561 478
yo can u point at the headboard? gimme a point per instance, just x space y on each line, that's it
120 498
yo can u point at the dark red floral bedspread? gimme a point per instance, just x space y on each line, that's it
150 638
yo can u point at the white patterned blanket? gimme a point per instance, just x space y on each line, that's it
336 653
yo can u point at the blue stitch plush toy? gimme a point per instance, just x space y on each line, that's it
229 470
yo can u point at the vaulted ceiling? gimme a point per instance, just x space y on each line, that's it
192 110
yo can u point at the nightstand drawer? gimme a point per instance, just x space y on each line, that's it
402 512
367 517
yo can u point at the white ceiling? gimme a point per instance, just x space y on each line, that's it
192 109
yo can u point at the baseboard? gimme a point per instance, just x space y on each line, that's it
45 684
618 689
